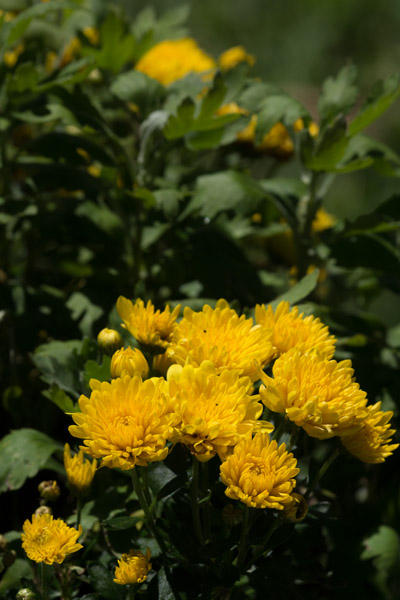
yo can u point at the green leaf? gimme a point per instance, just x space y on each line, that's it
94 370
25 78
181 123
384 548
23 453
338 94
119 523
213 99
60 399
59 364
12 577
284 186
137 87
381 98
164 589
117 46
300 290
100 215
278 108
168 201
102 581
84 311
331 148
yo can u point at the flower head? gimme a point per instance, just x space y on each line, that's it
293 330
297 510
49 490
125 422
318 395
109 340
233 56
129 361
260 473
213 411
132 567
150 327
171 60
80 471
222 337
372 443
49 540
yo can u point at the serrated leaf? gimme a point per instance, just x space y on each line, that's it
60 399
23 453
278 108
137 87
339 94
58 362
84 311
94 370
164 589
384 548
13 576
382 97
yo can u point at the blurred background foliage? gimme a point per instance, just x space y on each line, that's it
94 204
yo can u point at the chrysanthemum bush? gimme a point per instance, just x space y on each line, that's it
204 434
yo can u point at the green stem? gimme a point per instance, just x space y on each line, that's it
43 581
195 501
323 469
78 511
263 548
131 592
206 504
243 544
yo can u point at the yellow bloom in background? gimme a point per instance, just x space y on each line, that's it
132 567
80 471
289 329
92 34
323 220
372 443
221 336
72 48
161 363
49 540
129 361
260 473
171 60
109 340
125 422
313 128
214 411
11 56
318 395
233 56
7 16
150 327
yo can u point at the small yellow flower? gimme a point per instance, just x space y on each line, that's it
92 34
233 56
49 540
372 443
129 361
150 327
221 336
297 510
260 473
8 16
171 60
289 329
11 56
323 220
109 340
214 411
70 51
318 395
125 422
132 567
313 128
80 471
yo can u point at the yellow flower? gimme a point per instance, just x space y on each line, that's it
149 327
313 128
11 56
80 472
372 443
133 567
233 56
297 510
49 540
214 411
318 395
71 49
125 422
260 473
92 34
161 363
323 221
129 361
8 16
221 336
291 329
109 340
171 60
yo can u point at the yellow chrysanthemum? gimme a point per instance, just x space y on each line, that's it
49 540
291 329
221 336
322 221
125 422
161 363
233 56
150 327
260 473
80 471
318 395
171 60
214 411
129 361
372 443
132 567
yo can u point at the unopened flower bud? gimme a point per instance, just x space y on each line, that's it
129 361
49 490
109 340
297 510
26 594
43 510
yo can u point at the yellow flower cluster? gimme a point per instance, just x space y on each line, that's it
48 540
80 472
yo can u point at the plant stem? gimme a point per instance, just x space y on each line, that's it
78 511
206 505
195 501
43 582
262 548
323 469
243 539
146 509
